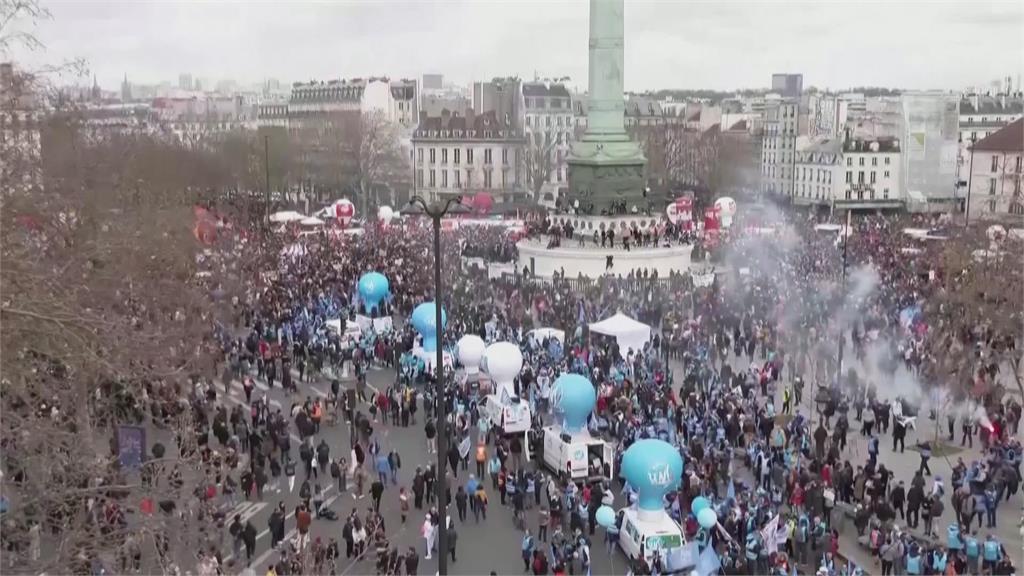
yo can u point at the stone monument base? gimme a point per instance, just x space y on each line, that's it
592 262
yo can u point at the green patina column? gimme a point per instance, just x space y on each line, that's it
605 166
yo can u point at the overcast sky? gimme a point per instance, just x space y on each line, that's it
720 44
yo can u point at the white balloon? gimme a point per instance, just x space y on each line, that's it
471 350
385 214
726 206
996 232
504 361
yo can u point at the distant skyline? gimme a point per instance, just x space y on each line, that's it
685 44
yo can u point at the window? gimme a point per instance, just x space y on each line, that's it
504 179
504 156
872 194
469 159
419 156
469 178
433 177
886 174
457 153
887 160
444 178
529 120
433 156
559 171
848 195
1020 161
992 206
995 163
558 121
458 179
547 121
974 136
873 174
487 178
849 177
885 193
419 178
860 177
991 186
487 157
444 155
861 161
874 161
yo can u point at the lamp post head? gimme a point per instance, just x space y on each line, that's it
417 206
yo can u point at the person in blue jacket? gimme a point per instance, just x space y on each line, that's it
914 560
973 551
991 553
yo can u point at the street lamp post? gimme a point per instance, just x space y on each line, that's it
436 211
847 233
970 175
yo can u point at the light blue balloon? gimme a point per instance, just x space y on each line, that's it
707 518
424 321
373 287
699 504
605 516
653 468
576 400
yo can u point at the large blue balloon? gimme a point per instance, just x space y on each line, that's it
373 287
653 468
699 503
605 516
576 400
707 518
424 319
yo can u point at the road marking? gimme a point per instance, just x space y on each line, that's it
247 510
318 391
289 534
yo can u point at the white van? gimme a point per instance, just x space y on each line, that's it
583 458
511 418
646 537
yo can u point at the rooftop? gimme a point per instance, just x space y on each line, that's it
553 90
1008 139
990 105
875 145
454 125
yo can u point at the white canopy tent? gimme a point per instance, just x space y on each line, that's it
539 334
627 332
286 216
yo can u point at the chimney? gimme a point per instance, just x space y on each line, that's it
974 101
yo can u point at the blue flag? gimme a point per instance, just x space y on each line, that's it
708 562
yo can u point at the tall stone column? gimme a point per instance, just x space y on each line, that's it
605 103
606 167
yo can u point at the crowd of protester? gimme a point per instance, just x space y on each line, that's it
752 403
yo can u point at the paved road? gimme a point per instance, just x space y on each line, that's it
493 544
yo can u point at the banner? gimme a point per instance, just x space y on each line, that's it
680 211
382 325
464 447
769 533
131 446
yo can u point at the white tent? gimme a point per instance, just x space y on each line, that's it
627 332
540 334
286 216
311 221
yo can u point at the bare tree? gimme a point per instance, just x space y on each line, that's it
977 318
103 320
539 161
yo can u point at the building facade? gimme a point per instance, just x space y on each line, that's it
459 155
871 174
778 146
997 172
817 171
548 125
